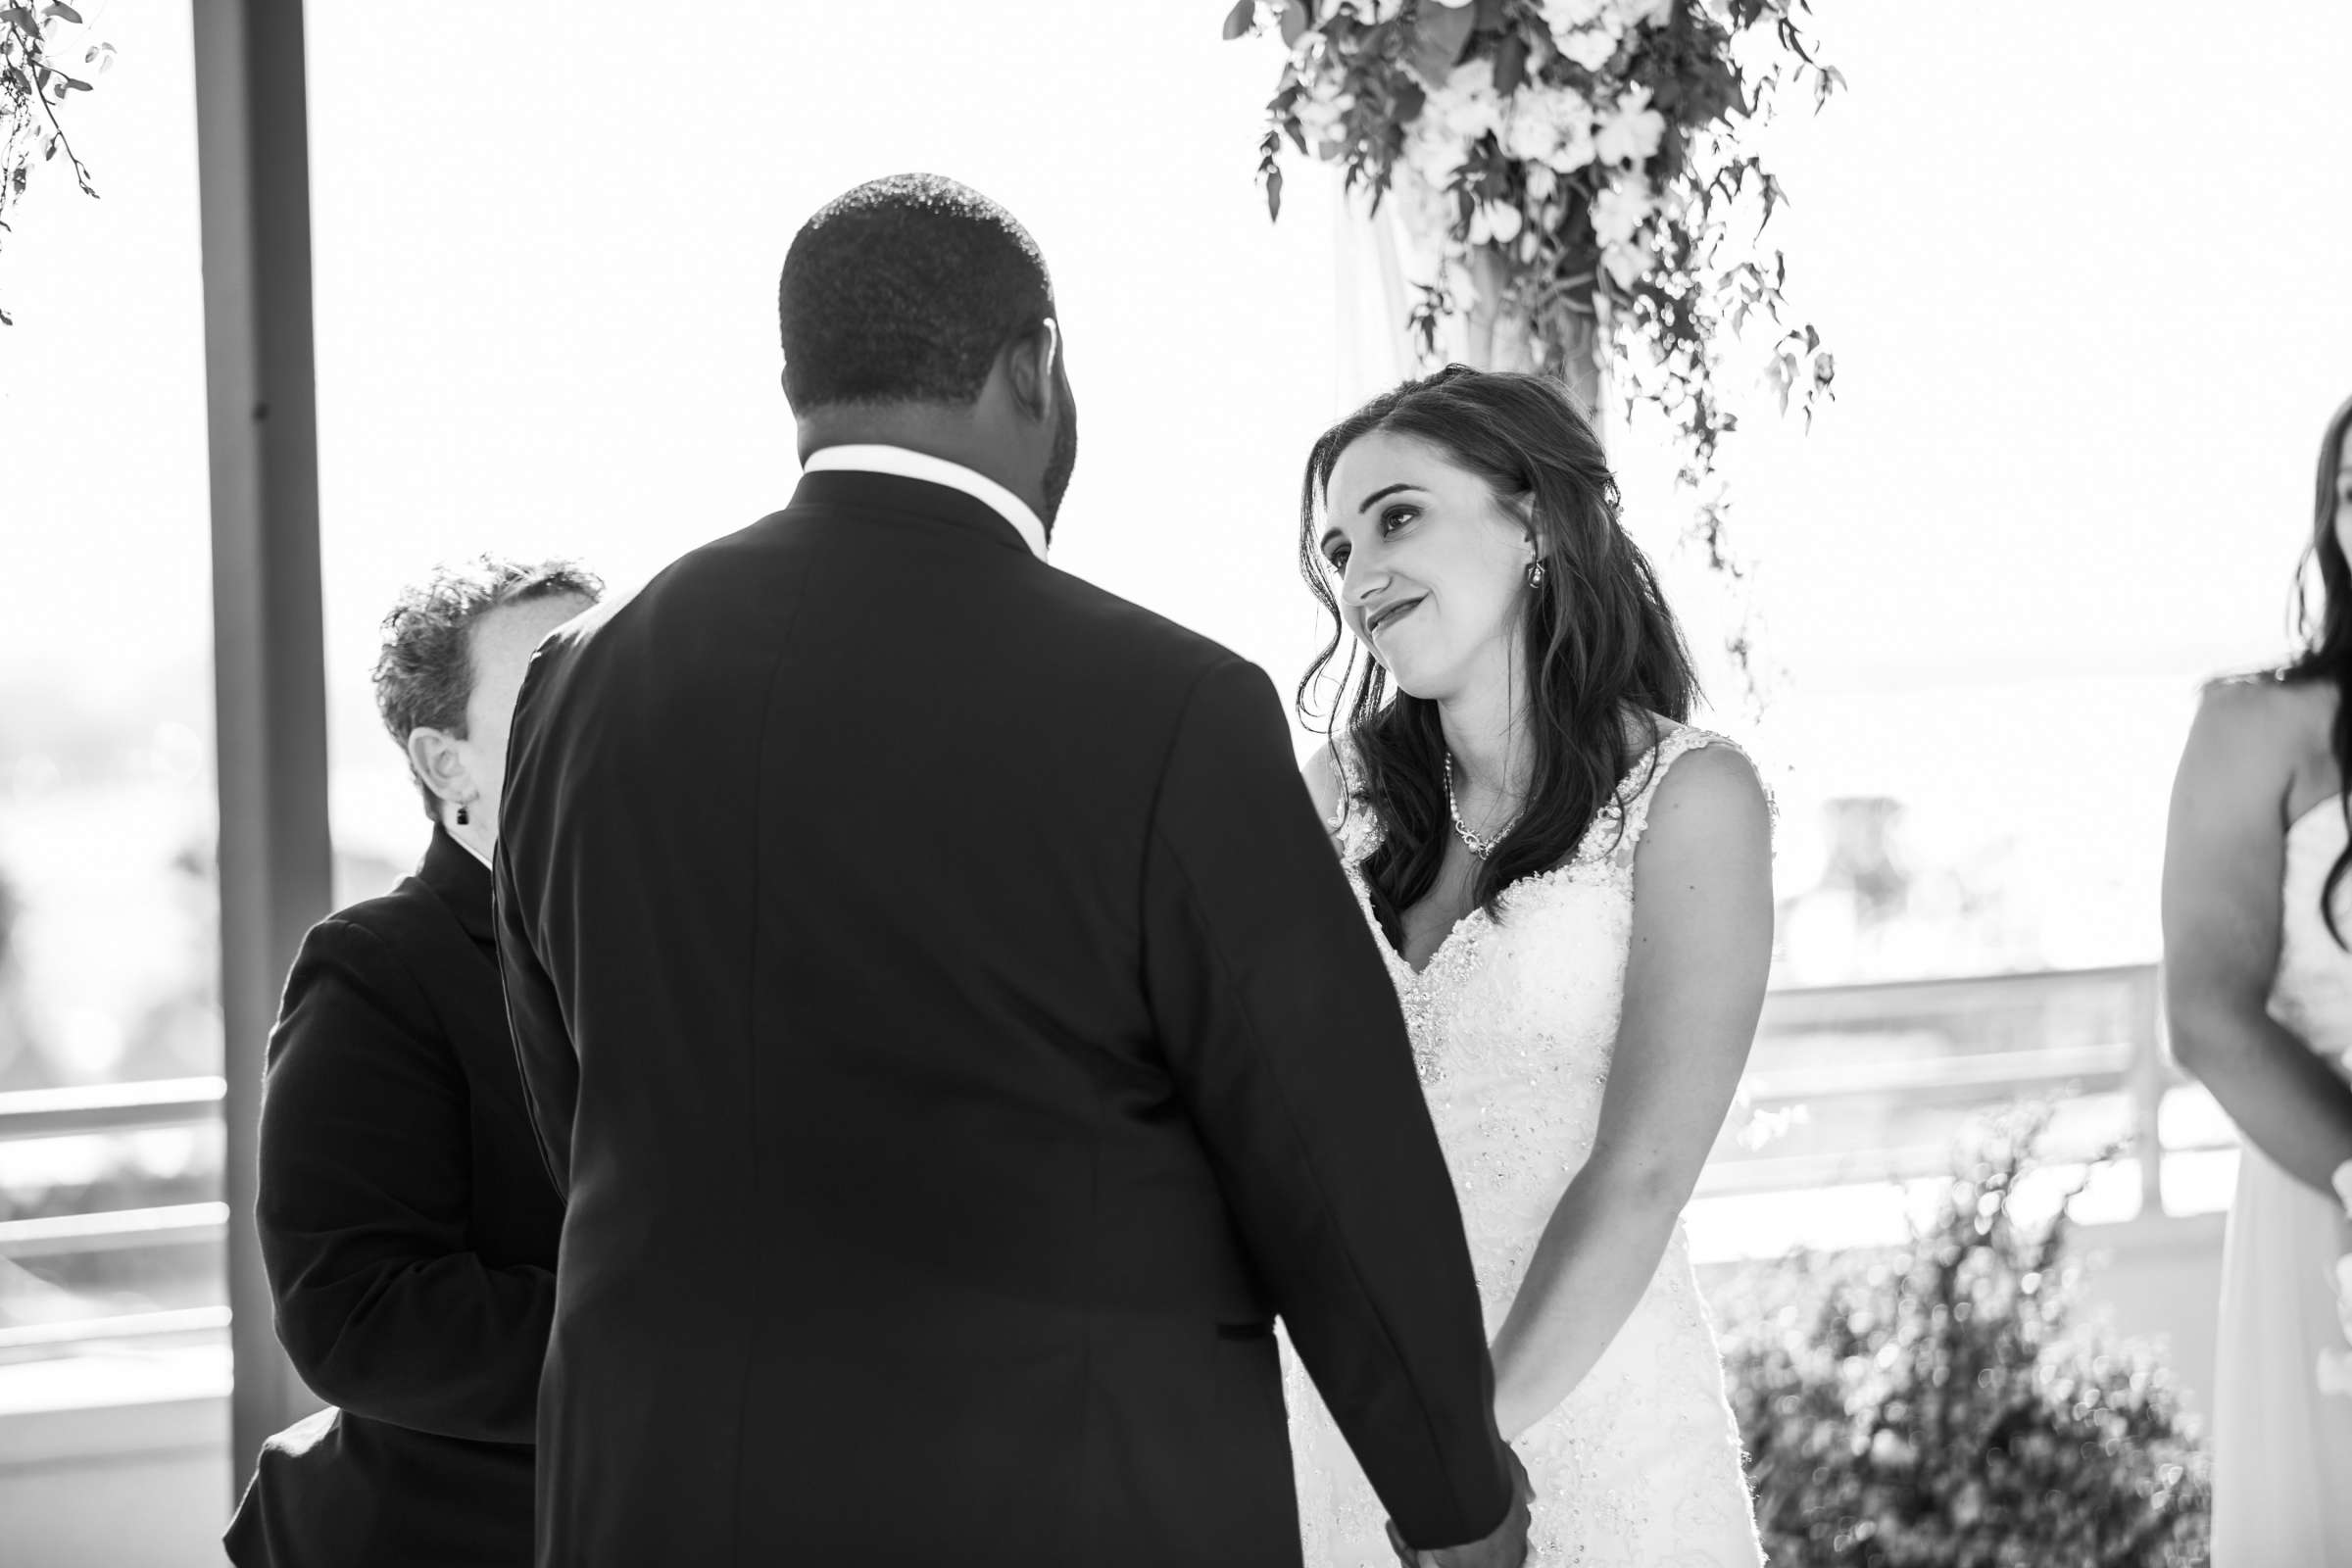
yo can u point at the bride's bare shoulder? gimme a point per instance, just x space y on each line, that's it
2266 734
2268 708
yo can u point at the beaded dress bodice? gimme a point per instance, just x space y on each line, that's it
1513 1022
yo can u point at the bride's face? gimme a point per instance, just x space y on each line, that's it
2344 493
1431 563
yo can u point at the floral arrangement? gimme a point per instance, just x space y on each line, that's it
32 84
1572 176
1938 1406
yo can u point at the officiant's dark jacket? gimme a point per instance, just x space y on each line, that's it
409 1229
957 1042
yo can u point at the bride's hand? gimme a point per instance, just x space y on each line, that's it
1506 1548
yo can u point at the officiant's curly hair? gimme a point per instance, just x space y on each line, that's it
904 290
1600 646
424 667
2327 629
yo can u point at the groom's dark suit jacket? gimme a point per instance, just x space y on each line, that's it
956 1041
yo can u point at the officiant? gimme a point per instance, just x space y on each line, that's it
407 1222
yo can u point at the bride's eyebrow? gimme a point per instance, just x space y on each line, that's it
1382 494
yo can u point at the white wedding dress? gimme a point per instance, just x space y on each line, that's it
2282 1449
1513 1022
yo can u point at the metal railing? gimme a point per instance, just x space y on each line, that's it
1995 1018
2005 1019
110 1107
164 1103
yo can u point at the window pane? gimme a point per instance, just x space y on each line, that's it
108 948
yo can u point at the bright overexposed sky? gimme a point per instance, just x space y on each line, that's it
2080 267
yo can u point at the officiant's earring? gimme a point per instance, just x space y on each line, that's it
1534 574
464 817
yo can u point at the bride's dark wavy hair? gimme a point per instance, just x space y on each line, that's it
1599 642
2327 634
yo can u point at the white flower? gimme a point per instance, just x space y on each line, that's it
1621 208
1494 223
1576 149
1630 130
1374 11
1549 125
1540 182
1468 103
1320 119
1624 263
1434 152
1533 123
1456 4
1564 17
1590 47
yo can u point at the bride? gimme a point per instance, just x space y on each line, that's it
1574 894
2258 993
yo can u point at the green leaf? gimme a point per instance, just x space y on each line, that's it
1438 40
1293 22
62 11
103 55
1511 65
1237 21
1274 195
23 18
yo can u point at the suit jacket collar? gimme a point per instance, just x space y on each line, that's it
907 464
861 490
461 881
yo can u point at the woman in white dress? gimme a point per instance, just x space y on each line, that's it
2258 989
1572 890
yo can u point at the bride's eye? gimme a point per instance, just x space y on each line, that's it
1338 560
1397 517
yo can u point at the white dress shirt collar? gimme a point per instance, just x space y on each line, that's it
907 465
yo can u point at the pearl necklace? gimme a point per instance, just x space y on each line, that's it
1477 844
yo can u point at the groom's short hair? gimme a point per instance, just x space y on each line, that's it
903 291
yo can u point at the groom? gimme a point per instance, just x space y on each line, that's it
944 1013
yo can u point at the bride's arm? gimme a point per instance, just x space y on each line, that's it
2223 858
1693 985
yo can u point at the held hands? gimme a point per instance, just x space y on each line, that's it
1506 1548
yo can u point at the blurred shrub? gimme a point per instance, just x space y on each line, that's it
1937 1408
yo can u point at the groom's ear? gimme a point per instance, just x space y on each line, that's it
1030 361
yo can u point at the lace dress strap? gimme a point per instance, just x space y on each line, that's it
1355 829
1621 820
